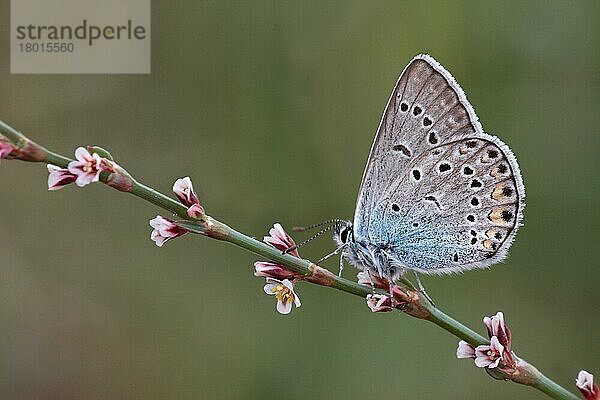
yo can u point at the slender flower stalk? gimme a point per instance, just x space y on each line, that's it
406 298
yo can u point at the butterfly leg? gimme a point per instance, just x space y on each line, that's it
333 253
341 264
367 270
422 289
391 292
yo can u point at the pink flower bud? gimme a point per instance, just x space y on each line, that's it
195 211
496 327
271 270
279 239
586 385
465 350
5 149
184 190
164 230
59 177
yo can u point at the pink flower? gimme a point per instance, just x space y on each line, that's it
587 387
5 149
59 177
489 356
184 190
164 230
279 239
87 168
284 292
496 327
465 350
379 303
271 270
195 211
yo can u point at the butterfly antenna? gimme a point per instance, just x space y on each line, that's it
332 224
335 221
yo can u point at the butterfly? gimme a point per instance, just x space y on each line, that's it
438 195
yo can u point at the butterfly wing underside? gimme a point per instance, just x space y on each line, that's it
437 192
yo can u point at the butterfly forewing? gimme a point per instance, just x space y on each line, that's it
437 191
425 108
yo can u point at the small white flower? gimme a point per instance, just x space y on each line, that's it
284 292
585 384
379 303
87 167
489 356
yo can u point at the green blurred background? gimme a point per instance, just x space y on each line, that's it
271 108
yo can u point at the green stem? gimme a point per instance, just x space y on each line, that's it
454 327
553 389
218 230
158 199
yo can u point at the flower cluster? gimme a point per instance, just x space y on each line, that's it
279 239
586 385
85 169
497 352
277 275
166 229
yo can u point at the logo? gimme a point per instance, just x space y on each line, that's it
80 36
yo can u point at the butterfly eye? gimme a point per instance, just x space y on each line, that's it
344 235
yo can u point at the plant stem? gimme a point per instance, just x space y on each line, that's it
218 230
553 389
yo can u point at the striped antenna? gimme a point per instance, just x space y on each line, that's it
334 221
332 224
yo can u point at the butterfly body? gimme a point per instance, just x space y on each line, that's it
438 194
